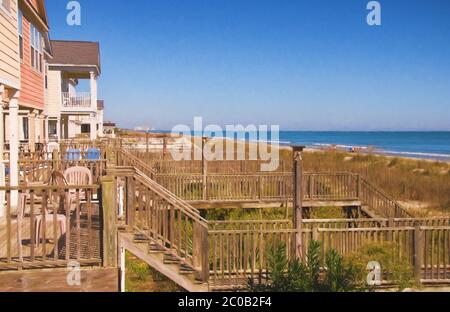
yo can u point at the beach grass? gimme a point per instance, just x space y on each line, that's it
422 184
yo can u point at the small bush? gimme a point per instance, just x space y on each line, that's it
394 268
320 274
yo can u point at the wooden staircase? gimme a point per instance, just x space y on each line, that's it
165 263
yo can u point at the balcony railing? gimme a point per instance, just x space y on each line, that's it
78 100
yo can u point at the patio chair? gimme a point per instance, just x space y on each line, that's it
78 176
93 154
49 217
56 179
73 154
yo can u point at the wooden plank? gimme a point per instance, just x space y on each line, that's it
92 280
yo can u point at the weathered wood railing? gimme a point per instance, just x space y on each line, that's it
239 255
126 159
379 201
39 171
372 223
279 187
239 248
425 249
50 227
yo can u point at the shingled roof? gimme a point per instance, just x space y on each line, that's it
82 53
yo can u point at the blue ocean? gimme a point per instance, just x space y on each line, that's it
428 145
425 145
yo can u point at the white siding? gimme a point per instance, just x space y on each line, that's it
53 98
9 47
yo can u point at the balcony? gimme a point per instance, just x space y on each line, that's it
79 102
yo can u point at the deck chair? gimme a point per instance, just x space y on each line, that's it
56 179
73 154
93 154
17 219
78 176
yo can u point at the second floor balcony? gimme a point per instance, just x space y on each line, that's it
80 101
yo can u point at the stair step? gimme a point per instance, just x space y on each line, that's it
155 248
170 259
140 238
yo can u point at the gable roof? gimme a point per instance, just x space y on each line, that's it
37 10
81 53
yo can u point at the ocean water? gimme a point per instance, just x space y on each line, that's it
426 145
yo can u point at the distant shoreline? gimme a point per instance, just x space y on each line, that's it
324 147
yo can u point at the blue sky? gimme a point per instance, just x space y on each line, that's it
304 65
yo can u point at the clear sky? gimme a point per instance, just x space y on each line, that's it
304 65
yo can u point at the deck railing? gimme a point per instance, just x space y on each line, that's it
39 171
172 225
78 100
50 227
379 201
239 248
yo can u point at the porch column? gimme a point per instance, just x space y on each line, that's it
2 126
47 136
100 123
31 131
93 84
93 123
14 146
2 166
42 128
58 128
37 127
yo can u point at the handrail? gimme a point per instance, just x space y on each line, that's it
375 197
170 197
133 160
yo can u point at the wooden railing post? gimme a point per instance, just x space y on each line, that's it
130 205
358 185
298 198
55 158
108 203
418 251
204 170
201 251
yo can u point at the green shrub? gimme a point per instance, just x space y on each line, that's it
394 268
284 275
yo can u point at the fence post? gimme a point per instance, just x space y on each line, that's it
108 203
316 233
298 198
358 185
55 158
418 251
130 207
147 149
200 257
204 170
390 224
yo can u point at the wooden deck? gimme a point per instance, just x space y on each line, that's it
84 243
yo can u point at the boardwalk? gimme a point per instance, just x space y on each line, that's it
132 206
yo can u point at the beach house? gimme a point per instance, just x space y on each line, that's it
72 105
9 63
25 47
34 52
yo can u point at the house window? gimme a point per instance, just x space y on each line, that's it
36 48
20 35
6 4
85 128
